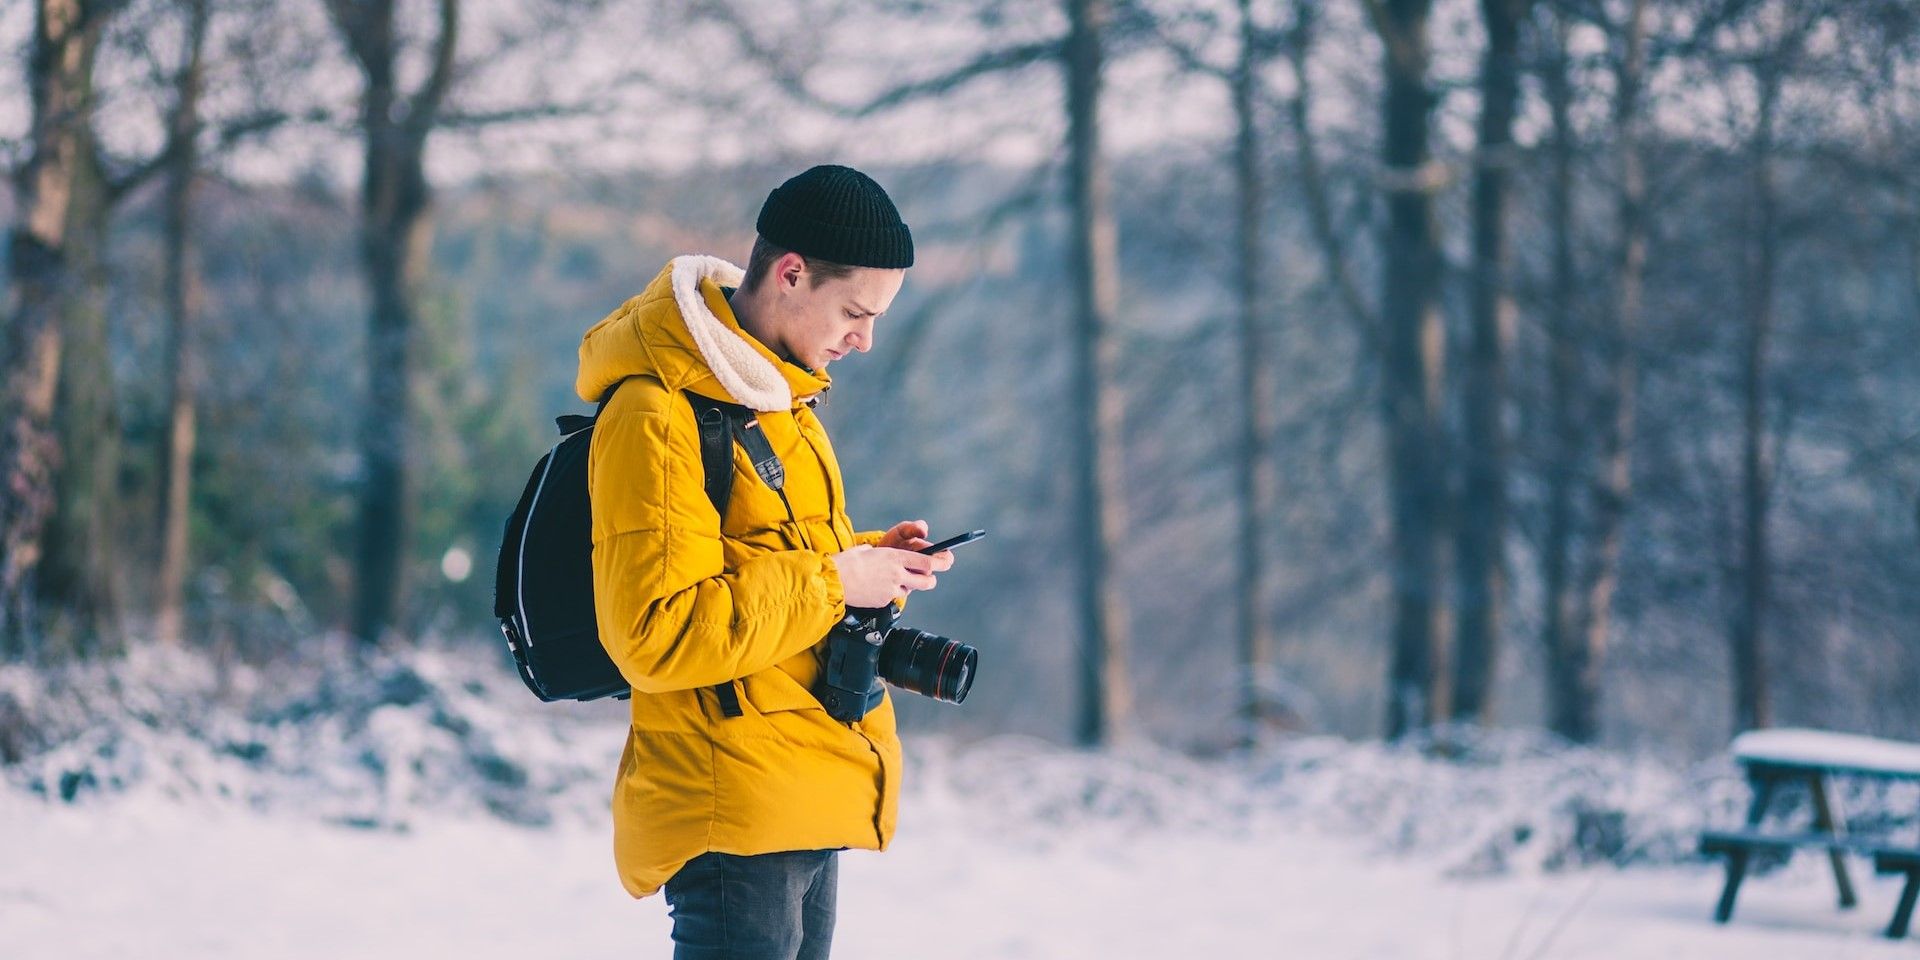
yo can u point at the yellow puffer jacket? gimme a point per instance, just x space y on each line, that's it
687 599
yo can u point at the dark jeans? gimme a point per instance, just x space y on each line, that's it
776 906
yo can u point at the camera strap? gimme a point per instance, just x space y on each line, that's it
766 463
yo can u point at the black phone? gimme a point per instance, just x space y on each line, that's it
952 542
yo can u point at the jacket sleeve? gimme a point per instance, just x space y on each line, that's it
671 616
869 538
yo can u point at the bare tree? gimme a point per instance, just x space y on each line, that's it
1413 369
1752 707
1253 470
60 80
1096 402
1579 694
1782 34
81 578
1480 562
394 201
1572 675
1104 697
182 292
1587 504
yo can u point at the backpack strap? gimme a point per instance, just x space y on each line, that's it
718 422
571 423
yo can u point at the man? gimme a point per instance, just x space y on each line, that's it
736 788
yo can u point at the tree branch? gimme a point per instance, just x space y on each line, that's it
230 134
914 327
792 79
469 119
1313 179
1188 57
424 106
346 18
992 61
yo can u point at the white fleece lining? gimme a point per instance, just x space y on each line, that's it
751 378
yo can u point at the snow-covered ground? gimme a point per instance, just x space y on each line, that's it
429 813
138 881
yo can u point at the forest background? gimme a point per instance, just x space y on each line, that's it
1365 367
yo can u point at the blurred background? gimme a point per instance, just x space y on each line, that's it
1415 436
1351 367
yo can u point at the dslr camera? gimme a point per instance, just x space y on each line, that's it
866 647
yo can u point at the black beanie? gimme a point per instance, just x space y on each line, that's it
839 215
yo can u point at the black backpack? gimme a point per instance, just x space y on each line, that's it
543 586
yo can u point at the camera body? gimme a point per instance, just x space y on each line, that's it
865 647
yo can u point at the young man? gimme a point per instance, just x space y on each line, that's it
736 788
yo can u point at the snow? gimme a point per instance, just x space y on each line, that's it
1822 748
426 806
157 881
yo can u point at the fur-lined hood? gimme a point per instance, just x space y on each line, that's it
682 331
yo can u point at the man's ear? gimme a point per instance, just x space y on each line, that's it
790 268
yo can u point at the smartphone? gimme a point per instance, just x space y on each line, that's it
952 542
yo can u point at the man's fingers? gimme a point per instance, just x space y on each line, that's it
916 574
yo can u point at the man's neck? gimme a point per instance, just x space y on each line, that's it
751 315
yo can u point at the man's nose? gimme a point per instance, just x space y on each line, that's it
862 339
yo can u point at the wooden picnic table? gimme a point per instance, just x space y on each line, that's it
1773 759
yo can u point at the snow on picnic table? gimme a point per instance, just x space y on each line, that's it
1824 748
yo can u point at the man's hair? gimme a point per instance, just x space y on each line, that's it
766 254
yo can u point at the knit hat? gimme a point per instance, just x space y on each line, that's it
839 215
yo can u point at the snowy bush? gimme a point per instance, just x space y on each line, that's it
379 740
359 740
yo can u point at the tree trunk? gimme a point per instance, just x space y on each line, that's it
1412 373
1751 707
1614 488
1481 539
391 270
1098 405
183 303
1570 712
77 580
60 77
1254 475
394 237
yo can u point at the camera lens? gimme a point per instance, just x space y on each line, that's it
928 664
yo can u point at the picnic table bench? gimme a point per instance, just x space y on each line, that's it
1773 759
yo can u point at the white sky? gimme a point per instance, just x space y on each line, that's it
705 106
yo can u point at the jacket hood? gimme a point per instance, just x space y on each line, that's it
682 331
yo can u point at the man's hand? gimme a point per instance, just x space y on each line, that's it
873 576
906 535
912 535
